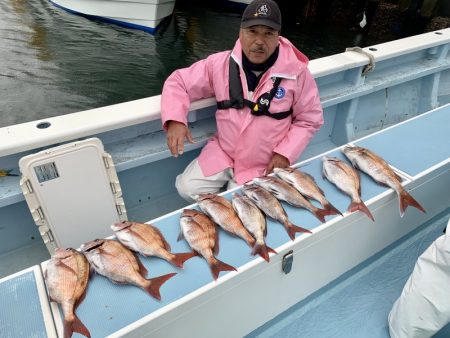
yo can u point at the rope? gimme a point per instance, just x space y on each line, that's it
369 67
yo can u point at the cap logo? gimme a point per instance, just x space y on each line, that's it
262 10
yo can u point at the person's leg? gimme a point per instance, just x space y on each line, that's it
192 182
232 184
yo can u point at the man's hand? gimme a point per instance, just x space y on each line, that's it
277 161
177 132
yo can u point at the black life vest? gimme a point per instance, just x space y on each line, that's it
237 101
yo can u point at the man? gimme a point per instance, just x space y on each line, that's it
268 106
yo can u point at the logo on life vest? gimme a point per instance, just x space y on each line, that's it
280 93
262 10
263 101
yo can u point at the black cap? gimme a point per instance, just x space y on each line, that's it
262 12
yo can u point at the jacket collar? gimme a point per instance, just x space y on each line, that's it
290 62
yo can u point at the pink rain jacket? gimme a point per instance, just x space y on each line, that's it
243 141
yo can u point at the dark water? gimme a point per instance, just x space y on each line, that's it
53 62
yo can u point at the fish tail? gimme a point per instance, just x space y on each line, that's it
406 199
179 258
320 214
75 325
155 284
217 266
269 249
354 206
261 249
331 210
292 229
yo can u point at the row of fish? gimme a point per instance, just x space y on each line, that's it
245 218
67 272
346 178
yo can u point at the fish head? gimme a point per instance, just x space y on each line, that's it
279 171
189 213
261 179
235 196
283 172
121 226
331 160
251 190
92 245
206 196
62 253
352 150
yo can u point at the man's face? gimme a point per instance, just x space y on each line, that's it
258 42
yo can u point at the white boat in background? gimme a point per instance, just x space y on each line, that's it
143 14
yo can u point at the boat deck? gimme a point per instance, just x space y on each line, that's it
357 304
116 310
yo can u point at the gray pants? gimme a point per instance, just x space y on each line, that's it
192 182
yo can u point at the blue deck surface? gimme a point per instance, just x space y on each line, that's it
358 303
415 145
20 310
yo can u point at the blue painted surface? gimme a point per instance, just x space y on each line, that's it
17 228
20 310
151 30
355 304
415 145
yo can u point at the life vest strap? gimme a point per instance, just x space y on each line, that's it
237 101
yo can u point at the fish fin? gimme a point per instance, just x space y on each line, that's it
82 297
179 258
142 269
331 210
216 266
64 266
155 284
135 233
292 229
104 252
311 177
166 244
354 206
269 249
216 244
75 326
180 236
118 282
406 199
398 177
320 214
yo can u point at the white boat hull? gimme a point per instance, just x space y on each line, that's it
145 14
